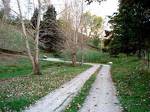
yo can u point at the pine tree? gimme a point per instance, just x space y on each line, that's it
131 28
50 14
126 33
51 37
34 18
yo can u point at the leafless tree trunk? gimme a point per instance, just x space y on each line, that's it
82 49
81 25
74 58
72 17
48 2
6 4
35 57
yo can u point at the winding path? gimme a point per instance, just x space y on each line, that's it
102 97
57 100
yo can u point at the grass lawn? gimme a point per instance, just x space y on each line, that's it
20 89
133 84
16 67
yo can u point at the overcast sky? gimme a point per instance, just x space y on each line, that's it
104 9
107 7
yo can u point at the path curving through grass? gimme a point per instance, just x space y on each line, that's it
57 100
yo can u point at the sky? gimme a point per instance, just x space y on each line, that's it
106 8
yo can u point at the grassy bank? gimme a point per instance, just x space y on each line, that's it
11 38
133 84
79 99
90 55
20 89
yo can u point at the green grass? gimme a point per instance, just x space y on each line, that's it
20 89
16 66
10 38
133 84
79 99
93 56
21 67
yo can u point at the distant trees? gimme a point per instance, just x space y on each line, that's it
50 35
1 14
34 18
76 25
72 27
90 1
124 34
92 25
131 29
6 9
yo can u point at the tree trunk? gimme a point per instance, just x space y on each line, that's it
36 67
36 71
6 4
74 59
82 54
82 59
34 58
148 59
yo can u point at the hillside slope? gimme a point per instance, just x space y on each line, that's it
11 38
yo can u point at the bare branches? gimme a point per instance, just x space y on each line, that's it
72 27
24 31
6 4
90 1
35 57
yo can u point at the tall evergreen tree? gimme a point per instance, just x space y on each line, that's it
50 14
129 29
51 37
34 18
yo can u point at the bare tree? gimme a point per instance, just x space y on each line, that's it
72 21
6 4
34 57
48 2
81 30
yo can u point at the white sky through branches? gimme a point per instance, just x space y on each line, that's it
106 8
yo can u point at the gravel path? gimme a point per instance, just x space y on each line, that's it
102 97
57 100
